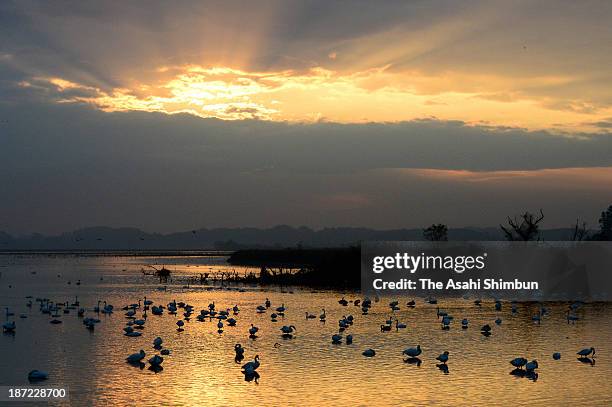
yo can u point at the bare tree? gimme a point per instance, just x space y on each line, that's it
580 231
524 228
436 233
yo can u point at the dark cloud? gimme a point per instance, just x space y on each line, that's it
68 166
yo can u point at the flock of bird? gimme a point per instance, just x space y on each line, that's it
136 315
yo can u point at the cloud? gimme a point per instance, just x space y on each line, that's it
510 64
66 166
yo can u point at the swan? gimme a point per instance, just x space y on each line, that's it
261 309
310 316
498 321
343 302
464 323
281 309
336 339
556 356
440 313
518 362
157 342
385 328
220 325
288 330
443 357
231 322
253 330
486 328
531 366
37 375
322 316
446 320
236 309
136 357
156 360
268 303
399 325
238 349
369 353
411 303
412 352
251 367
586 352
349 339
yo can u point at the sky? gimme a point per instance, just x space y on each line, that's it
169 116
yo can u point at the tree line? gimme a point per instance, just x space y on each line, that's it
526 227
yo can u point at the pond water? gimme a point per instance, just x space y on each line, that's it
305 370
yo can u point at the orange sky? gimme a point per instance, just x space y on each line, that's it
373 95
493 63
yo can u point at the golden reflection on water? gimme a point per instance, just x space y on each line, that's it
305 370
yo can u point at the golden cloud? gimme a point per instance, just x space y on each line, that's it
377 94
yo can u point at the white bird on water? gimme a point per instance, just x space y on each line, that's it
531 366
586 352
156 361
251 367
136 357
369 353
288 330
413 352
443 357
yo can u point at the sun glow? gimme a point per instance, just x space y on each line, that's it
377 95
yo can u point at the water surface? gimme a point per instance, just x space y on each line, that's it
305 370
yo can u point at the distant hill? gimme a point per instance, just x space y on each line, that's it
106 238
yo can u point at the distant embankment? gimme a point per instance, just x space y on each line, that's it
334 268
